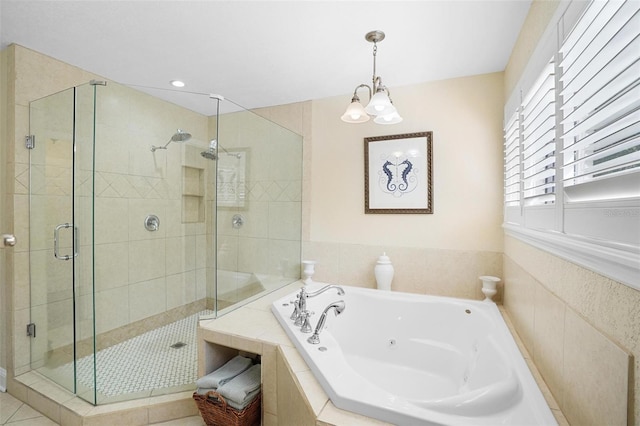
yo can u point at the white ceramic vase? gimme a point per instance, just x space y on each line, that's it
308 269
489 284
384 272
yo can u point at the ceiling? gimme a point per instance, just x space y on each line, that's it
263 53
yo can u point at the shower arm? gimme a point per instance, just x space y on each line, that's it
154 148
179 136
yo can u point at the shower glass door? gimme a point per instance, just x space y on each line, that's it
258 200
60 157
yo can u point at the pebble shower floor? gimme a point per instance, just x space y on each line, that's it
144 363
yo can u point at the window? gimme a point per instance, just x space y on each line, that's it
579 141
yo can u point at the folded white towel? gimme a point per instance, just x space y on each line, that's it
228 371
238 389
203 391
249 398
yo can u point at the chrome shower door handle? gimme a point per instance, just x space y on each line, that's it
56 237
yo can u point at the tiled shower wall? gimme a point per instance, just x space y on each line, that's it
143 278
268 243
139 274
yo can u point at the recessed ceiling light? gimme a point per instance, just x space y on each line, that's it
177 83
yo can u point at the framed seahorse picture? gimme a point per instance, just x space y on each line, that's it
398 174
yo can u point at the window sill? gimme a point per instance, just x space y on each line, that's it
619 262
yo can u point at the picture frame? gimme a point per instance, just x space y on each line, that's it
398 174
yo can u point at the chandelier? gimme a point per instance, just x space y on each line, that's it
380 106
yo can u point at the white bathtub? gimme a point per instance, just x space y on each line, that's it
418 360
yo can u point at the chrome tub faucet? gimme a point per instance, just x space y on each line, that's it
300 305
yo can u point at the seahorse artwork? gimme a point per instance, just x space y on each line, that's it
397 176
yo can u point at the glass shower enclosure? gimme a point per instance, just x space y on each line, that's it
130 245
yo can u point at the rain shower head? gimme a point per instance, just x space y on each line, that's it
178 136
212 152
209 155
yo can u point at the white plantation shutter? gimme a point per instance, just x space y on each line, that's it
512 161
539 145
573 147
600 101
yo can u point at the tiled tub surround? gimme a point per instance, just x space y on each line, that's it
417 359
292 395
581 330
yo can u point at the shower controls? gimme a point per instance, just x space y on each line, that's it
8 240
237 221
56 241
151 223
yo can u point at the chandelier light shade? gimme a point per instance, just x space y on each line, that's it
380 105
355 112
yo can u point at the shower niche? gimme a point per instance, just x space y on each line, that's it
192 194
100 279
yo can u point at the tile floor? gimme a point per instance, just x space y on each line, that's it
165 365
15 413
144 363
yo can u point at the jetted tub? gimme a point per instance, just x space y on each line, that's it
413 359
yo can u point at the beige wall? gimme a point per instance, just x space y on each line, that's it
440 253
464 115
540 13
582 329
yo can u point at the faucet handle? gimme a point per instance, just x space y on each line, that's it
296 310
301 318
306 325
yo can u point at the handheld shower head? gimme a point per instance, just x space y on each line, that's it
179 136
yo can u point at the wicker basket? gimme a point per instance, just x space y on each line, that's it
216 412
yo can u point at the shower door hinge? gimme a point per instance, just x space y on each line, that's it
31 329
30 141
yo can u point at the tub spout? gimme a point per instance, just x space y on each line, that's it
325 288
303 296
338 308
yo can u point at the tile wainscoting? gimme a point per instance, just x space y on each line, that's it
581 330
